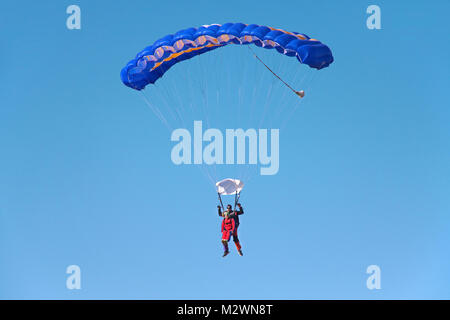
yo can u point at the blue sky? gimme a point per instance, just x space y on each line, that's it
86 176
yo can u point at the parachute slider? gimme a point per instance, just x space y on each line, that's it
300 93
229 186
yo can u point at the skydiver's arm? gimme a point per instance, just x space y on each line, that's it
219 211
236 213
233 225
240 211
223 223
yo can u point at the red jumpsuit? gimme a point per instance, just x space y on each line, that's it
228 228
234 215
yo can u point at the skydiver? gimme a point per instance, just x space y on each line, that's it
228 227
235 216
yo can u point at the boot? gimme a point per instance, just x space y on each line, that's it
225 248
239 248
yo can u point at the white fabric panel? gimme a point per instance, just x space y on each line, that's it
229 186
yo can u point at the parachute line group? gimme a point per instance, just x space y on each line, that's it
213 79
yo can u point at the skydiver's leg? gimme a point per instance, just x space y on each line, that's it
225 238
236 241
225 245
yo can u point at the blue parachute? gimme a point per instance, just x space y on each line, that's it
151 63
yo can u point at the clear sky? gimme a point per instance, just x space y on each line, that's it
86 177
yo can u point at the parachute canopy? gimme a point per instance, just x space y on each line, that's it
151 63
229 186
